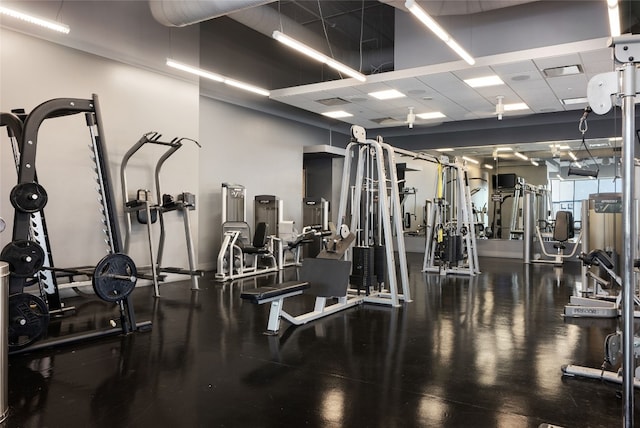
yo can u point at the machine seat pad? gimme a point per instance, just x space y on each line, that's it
254 250
256 295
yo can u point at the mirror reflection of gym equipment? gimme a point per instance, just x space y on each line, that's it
451 231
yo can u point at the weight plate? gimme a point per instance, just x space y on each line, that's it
28 197
25 258
28 320
114 277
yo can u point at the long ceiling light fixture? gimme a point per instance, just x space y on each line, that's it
51 25
432 25
217 78
614 17
320 57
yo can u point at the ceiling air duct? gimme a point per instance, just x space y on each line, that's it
174 13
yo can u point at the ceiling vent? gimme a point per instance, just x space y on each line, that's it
336 101
385 120
566 70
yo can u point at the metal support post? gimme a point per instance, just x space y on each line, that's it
4 340
629 236
528 227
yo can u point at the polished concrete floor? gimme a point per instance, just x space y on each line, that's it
479 352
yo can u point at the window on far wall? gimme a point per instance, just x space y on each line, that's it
567 195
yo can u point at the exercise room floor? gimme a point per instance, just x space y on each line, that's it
479 352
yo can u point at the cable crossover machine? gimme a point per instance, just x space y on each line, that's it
146 212
29 254
451 237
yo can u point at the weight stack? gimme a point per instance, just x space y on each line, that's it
380 264
453 253
362 268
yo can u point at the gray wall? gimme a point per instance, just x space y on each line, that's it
133 101
259 151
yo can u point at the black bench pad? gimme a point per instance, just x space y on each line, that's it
256 295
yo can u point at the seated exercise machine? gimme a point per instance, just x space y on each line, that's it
29 254
563 230
599 306
602 308
146 212
239 257
241 254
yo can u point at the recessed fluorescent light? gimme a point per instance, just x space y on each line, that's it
481 82
596 145
564 147
570 101
515 107
444 150
51 25
487 166
389 94
566 70
534 163
431 115
320 57
468 159
521 156
504 149
337 114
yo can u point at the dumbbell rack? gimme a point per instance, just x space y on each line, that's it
29 253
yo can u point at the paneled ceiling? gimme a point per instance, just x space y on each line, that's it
441 87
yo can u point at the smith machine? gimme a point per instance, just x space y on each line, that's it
602 90
147 212
29 254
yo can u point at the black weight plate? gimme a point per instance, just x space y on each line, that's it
25 258
28 197
28 320
114 277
